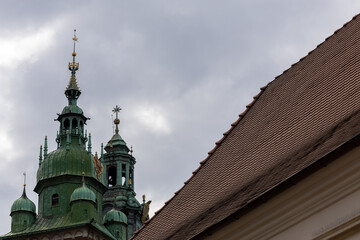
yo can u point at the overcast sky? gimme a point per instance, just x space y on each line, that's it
182 71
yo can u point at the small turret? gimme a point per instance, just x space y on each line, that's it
116 222
83 203
23 213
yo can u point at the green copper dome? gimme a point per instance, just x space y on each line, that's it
116 143
23 204
115 216
63 161
83 193
72 109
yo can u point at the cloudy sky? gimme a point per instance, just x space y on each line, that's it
181 71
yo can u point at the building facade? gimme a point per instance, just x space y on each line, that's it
81 195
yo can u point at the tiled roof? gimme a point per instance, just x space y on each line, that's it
301 116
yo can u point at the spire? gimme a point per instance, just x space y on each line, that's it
83 179
102 152
40 155
72 91
116 110
89 143
116 143
45 148
24 192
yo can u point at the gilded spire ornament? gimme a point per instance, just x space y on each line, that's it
73 67
116 110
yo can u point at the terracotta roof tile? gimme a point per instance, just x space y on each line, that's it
304 114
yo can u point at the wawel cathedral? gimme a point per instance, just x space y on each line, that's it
80 195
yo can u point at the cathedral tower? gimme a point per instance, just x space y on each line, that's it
72 183
119 171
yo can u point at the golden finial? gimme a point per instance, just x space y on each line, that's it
143 196
75 38
74 66
83 173
130 181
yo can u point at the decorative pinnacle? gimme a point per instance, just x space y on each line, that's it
45 148
83 178
116 110
89 144
40 155
73 67
102 151
131 150
24 179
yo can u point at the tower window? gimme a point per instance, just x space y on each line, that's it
74 123
112 176
55 199
123 175
67 124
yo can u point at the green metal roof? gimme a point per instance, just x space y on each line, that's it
62 161
115 216
23 204
83 193
43 225
116 143
72 109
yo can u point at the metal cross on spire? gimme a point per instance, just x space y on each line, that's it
75 38
116 110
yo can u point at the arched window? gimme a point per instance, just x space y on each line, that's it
131 177
67 124
112 176
81 126
123 175
54 199
74 123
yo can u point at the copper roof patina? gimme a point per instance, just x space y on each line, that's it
64 161
23 204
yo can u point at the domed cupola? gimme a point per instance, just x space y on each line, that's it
116 143
71 156
23 204
83 203
23 213
116 222
115 216
83 193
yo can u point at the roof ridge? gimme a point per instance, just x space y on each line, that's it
319 45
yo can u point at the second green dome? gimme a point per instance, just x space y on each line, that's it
115 216
23 204
83 193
